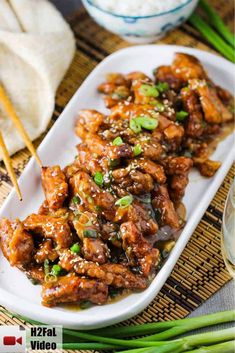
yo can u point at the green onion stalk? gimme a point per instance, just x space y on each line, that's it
225 49
216 21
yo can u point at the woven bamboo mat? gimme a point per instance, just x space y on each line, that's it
200 271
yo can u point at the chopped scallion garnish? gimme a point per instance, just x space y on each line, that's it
117 141
137 150
56 269
136 124
180 116
160 107
98 178
124 201
162 86
149 91
76 200
75 248
90 233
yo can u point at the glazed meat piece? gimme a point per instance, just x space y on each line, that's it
131 180
85 160
177 165
55 186
166 74
186 67
93 196
194 124
16 243
95 250
35 274
88 122
139 215
71 289
46 251
208 168
110 232
136 246
54 228
164 208
178 185
214 110
115 275
153 169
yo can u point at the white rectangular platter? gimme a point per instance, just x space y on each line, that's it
16 291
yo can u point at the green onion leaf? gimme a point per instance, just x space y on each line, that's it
76 200
188 154
98 178
149 91
90 233
162 86
75 248
56 269
180 116
137 150
160 107
147 122
117 141
124 201
135 126
46 266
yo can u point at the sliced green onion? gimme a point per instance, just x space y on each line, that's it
85 304
56 269
149 91
188 154
76 200
98 178
50 277
147 122
180 116
46 267
117 141
81 214
143 122
137 150
160 107
124 201
75 248
135 126
90 233
162 86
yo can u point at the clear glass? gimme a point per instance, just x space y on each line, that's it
228 231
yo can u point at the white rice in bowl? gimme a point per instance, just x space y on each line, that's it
138 7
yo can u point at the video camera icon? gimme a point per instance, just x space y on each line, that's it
12 340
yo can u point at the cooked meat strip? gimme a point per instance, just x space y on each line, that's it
46 251
54 228
71 289
186 67
135 245
214 110
194 124
177 165
166 74
55 186
178 185
131 180
93 196
16 243
88 122
155 170
35 273
139 215
164 208
95 250
115 275
208 168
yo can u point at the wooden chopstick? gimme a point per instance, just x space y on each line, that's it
8 164
10 110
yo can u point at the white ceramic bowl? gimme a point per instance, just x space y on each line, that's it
141 29
17 293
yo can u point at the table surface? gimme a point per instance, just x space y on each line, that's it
224 298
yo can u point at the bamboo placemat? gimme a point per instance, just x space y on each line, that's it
200 271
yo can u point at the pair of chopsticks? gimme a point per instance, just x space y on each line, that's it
11 113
